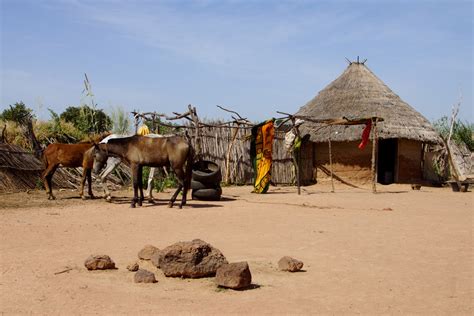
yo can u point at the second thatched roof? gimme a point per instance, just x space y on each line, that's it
359 93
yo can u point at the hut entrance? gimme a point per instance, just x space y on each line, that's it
387 160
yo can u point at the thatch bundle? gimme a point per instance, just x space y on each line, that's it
21 170
359 93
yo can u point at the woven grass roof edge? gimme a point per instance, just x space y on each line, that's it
357 92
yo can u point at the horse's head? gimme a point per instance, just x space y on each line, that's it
100 158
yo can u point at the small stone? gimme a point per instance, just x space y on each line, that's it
133 267
99 262
147 252
290 264
234 275
144 276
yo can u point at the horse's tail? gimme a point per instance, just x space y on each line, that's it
189 165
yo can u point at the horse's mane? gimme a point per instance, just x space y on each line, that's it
95 138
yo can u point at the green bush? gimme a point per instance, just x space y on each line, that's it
462 131
161 182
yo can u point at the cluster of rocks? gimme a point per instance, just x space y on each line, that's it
190 259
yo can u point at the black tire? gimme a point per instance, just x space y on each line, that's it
207 172
207 194
196 185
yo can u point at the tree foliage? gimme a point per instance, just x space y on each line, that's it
87 119
17 113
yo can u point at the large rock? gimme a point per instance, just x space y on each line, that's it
144 276
147 252
99 262
234 275
190 259
290 264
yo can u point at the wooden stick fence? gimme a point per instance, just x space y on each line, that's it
228 143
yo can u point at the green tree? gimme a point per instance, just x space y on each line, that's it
17 113
86 119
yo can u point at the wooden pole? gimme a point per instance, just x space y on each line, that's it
330 159
374 164
197 136
296 158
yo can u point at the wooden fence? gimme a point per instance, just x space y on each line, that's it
216 142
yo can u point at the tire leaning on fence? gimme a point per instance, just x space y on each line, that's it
205 182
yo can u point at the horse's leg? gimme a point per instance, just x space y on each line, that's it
140 185
180 175
47 177
89 181
150 185
186 184
83 181
188 174
135 178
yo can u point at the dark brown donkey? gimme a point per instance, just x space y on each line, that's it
71 156
139 151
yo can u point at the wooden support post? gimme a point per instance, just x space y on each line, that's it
297 171
296 160
197 136
374 162
330 159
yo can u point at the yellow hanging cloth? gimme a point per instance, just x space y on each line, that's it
262 143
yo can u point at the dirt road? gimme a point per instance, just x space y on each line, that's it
395 252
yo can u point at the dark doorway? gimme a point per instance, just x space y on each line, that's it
387 160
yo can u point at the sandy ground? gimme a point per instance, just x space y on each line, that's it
395 252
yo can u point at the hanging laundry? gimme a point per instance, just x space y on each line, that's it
365 134
261 154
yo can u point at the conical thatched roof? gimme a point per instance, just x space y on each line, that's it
359 93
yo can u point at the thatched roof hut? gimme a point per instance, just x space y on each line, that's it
401 136
358 92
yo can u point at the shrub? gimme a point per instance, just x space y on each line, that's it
462 131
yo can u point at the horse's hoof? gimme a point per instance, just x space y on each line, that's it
132 205
92 197
108 199
83 197
170 205
180 207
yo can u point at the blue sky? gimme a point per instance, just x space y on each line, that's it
255 57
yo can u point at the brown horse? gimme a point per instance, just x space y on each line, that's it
139 151
71 156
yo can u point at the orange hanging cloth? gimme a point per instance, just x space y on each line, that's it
365 134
